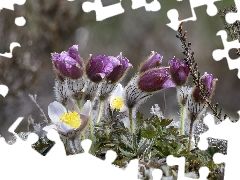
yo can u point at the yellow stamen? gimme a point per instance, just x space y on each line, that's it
117 103
72 119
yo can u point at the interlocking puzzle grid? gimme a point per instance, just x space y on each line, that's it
82 165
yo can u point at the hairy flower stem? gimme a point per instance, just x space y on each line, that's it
79 102
100 111
190 136
91 132
182 119
131 120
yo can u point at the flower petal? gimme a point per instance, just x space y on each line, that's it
48 128
65 128
117 92
71 106
84 122
87 107
124 108
55 111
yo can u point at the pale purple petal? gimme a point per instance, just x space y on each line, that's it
55 111
71 106
86 109
65 128
48 128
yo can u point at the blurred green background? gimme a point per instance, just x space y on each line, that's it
55 25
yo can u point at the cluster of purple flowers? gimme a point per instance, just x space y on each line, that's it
98 78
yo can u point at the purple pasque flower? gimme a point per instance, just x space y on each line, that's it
99 67
153 61
155 80
119 71
209 85
179 71
68 64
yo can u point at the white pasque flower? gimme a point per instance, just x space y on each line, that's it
69 122
116 99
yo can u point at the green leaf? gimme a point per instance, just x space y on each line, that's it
127 153
165 122
127 141
142 146
148 131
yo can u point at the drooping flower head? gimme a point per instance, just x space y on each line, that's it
179 71
119 71
68 64
209 84
155 80
153 61
71 122
99 67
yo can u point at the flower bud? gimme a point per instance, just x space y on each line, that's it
99 67
119 71
209 86
179 71
155 80
153 61
68 64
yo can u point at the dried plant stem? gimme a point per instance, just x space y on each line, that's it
192 65
34 99
100 111
190 136
131 120
182 122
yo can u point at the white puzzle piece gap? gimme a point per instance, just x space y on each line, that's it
229 131
180 162
20 21
232 17
9 4
12 46
224 53
20 157
153 6
3 90
173 14
103 12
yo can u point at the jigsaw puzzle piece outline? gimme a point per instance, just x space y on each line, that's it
173 13
3 90
180 162
232 17
21 150
219 54
103 12
19 21
232 136
153 6
9 4
12 46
